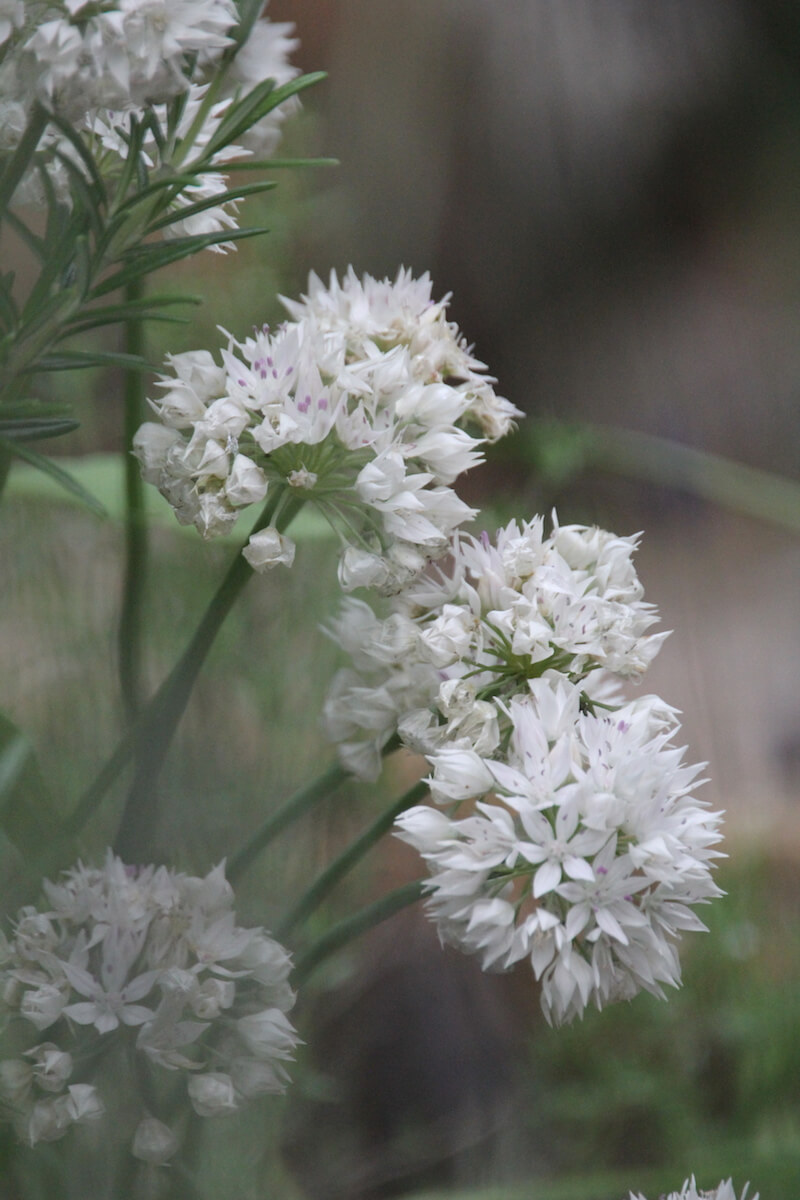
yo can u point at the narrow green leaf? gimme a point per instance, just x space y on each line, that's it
133 136
150 258
27 815
175 110
264 164
78 360
21 410
255 105
151 122
65 246
249 12
175 182
191 210
20 160
83 193
36 428
31 240
82 150
9 313
48 467
112 314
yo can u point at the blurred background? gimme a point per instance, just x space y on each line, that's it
609 189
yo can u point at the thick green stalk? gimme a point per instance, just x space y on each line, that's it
136 541
297 804
134 840
352 927
344 863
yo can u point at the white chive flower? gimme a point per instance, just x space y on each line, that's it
154 957
497 615
358 411
585 850
690 1191
103 64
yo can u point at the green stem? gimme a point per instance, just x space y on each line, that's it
136 541
296 805
352 927
353 853
138 736
5 466
134 841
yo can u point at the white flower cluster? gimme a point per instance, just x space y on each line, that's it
583 849
100 64
157 954
359 405
689 1191
496 617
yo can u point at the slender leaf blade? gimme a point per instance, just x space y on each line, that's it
27 814
48 467
147 259
37 428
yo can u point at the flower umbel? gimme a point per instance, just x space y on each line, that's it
363 404
155 958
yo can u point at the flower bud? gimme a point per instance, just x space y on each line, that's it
150 445
153 1142
48 1120
246 484
360 568
42 1006
212 1094
252 1077
52 1067
84 1102
268 548
267 1034
212 996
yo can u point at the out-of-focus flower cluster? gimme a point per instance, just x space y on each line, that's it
690 1191
102 65
367 404
583 849
154 959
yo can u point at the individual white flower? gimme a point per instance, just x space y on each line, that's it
690 1191
269 548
